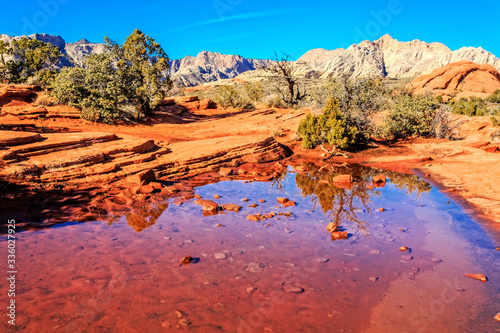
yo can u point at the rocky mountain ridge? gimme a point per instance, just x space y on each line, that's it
388 57
384 57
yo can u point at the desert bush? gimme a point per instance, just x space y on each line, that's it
439 99
409 116
329 126
117 83
227 95
443 124
495 121
277 132
274 101
495 97
358 100
30 56
470 107
254 91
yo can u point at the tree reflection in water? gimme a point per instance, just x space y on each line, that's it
343 201
145 216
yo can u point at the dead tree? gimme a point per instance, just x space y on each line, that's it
286 82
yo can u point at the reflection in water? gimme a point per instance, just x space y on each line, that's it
145 216
341 201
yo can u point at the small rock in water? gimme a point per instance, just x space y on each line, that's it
290 203
403 248
186 260
498 248
244 199
253 205
184 322
332 226
220 256
373 278
218 225
262 200
497 317
381 210
339 235
250 290
216 196
479 277
282 200
253 218
293 289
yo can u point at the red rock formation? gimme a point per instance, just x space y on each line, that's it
463 79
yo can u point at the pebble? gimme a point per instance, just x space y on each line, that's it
167 238
244 199
436 260
497 317
373 278
216 196
322 260
262 200
403 248
293 289
253 205
113 239
220 256
188 241
184 322
178 313
459 289
350 254
204 254
254 267
381 210
250 290
479 277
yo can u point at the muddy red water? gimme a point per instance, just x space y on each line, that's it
282 274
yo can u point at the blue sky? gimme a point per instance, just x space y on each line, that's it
257 28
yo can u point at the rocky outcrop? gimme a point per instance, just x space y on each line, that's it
210 66
460 79
388 57
10 92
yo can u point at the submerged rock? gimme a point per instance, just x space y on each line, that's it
282 200
332 227
480 277
186 260
231 207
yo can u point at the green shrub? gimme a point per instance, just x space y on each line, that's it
121 83
410 115
329 127
495 97
228 96
30 56
439 99
469 107
495 122
254 91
